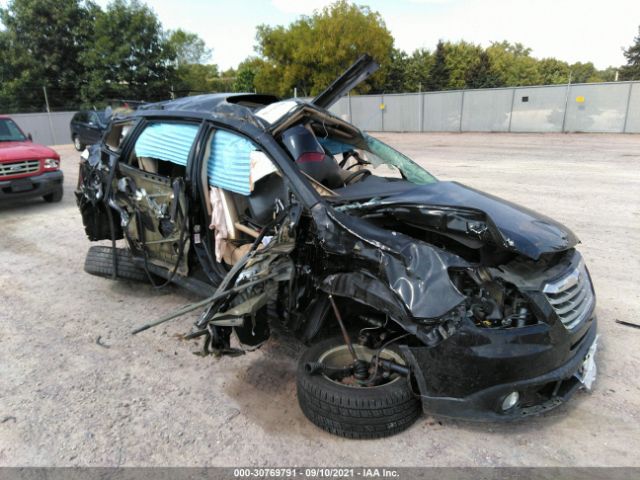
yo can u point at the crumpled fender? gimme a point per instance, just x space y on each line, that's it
396 272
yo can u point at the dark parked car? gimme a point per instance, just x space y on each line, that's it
411 293
26 168
87 128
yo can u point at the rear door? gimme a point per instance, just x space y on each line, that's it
81 126
150 189
93 128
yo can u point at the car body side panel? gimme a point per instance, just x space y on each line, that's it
412 272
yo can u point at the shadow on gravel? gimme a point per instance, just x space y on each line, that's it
29 205
266 389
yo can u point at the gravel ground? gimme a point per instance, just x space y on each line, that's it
68 399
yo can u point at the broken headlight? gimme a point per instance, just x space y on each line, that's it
491 302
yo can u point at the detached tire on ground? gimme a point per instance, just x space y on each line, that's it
353 411
99 262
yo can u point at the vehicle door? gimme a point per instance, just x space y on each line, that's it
254 217
150 190
93 128
80 125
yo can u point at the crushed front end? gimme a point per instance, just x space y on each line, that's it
525 345
494 333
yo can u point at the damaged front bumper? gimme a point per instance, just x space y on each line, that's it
477 401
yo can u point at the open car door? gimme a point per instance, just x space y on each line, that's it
261 277
157 226
362 69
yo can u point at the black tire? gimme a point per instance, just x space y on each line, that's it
99 262
79 146
54 197
354 412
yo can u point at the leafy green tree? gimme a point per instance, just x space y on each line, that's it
128 56
513 64
312 51
188 48
631 71
41 45
395 72
245 78
553 71
439 75
193 74
195 78
460 58
584 73
607 75
417 72
481 74
225 81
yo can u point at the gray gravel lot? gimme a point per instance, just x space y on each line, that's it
148 400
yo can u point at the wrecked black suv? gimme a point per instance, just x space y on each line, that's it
411 293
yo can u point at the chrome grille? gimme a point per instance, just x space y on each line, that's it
571 296
19 168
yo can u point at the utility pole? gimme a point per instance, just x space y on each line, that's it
46 101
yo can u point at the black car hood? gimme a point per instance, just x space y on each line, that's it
509 225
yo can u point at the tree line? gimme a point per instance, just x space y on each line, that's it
88 56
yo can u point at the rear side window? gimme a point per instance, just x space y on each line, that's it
163 148
117 133
170 142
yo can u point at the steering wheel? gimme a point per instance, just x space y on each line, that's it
364 172
346 155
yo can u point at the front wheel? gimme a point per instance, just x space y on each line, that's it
54 197
79 146
339 404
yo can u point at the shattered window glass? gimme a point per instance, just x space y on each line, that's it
382 154
385 160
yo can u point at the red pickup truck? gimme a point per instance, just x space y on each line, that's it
26 168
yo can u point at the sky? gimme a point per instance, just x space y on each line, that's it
570 30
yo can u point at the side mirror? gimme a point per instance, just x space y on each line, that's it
30 137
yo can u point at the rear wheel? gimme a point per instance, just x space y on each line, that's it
79 146
341 405
99 262
54 197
